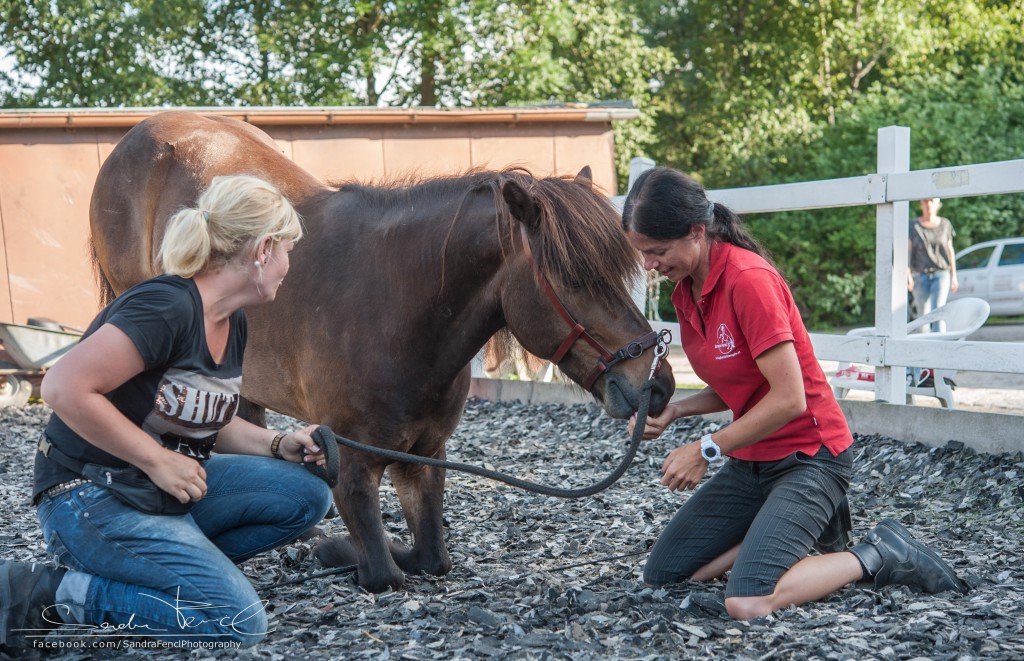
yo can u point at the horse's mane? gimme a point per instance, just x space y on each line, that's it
404 188
579 242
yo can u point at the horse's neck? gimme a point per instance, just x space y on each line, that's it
448 251
462 292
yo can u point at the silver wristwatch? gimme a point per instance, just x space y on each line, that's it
710 450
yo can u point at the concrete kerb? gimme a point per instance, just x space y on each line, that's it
527 392
980 431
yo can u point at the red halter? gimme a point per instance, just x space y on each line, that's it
634 349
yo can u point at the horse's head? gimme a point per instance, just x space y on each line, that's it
566 295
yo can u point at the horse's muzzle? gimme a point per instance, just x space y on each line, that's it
621 397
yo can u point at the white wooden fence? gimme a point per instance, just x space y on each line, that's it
890 190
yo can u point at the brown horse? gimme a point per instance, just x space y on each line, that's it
391 293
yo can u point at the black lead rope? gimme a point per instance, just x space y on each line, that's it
324 436
327 440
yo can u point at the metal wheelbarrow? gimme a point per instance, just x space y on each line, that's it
28 351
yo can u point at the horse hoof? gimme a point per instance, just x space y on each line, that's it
374 582
336 552
412 562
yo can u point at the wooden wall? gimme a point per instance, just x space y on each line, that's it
47 174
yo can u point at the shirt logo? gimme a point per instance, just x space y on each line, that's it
191 407
726 343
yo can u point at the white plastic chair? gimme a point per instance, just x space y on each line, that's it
960 318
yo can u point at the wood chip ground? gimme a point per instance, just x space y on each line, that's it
542 578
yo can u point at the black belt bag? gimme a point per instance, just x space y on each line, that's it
129 484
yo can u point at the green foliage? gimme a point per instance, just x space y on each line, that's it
953 120
769 92
559 51
93 52
827 257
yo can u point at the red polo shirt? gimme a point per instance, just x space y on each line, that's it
747 309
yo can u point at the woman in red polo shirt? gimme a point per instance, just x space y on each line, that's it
783 491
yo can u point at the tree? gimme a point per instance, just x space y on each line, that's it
828 255
561 51
772 93
96 53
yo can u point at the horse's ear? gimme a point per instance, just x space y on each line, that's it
521 204
585 177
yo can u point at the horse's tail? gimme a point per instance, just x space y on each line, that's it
103 286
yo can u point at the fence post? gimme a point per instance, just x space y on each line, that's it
638 289
637 166
891 229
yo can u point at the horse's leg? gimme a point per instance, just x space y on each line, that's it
254 413
358 499
421 492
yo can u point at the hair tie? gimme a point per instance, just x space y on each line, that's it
206 215
711 210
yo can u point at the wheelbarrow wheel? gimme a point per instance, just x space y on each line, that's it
14 390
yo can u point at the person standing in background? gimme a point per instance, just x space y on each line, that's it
932 275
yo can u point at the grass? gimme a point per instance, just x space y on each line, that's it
1005 321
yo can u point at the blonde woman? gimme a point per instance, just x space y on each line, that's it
148 523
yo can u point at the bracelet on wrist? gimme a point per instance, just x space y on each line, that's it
275 446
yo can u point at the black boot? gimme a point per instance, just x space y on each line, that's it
891 556
28 593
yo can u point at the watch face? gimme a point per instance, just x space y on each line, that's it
710 453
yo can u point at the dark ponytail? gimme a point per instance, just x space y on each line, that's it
665 204
728 227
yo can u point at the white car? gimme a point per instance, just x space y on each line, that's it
994 271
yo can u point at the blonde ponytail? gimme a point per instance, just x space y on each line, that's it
231 217
185 250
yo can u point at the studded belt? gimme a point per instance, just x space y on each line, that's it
64 487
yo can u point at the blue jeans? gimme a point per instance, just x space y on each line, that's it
777 510
930 292
174 578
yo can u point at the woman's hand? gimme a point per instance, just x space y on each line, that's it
655 426
182 477
684 467
299 447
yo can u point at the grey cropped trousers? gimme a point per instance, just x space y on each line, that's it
779 510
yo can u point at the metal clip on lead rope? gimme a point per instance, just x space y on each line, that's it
660 351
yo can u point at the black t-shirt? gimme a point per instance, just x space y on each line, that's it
182 398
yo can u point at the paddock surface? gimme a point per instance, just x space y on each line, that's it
542 578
